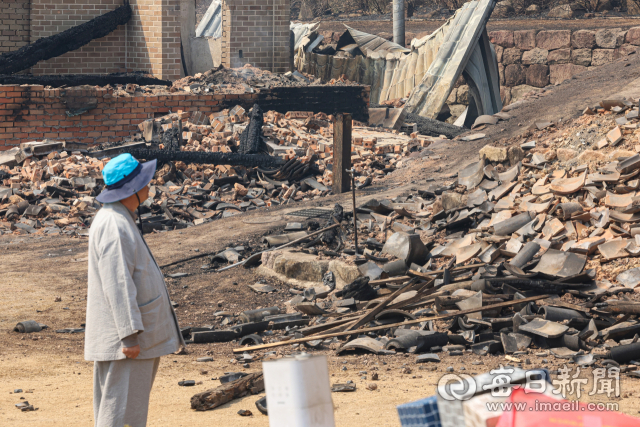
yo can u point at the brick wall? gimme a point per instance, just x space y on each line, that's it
14 24
150 42
259 31
105 55
30 112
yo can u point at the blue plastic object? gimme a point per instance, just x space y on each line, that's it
421 413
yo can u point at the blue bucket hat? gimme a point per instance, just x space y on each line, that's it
124 176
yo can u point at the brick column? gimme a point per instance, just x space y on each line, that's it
256 32
144 37
171 60
154 38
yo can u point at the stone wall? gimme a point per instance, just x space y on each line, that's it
531 59
536 59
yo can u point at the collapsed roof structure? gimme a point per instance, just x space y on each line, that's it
425 73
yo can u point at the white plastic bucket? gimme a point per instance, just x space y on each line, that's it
298 392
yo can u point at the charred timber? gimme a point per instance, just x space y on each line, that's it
70 80
251 138
231 159
66 41
542 286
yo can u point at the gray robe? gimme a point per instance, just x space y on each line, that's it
127 304
127 294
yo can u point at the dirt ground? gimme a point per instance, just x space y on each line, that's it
50 369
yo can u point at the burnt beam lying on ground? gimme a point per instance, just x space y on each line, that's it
231 159
70 80
66 41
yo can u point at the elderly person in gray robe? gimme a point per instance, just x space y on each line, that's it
130 321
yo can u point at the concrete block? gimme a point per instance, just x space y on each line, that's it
633 36
511 55
602 56
561 72
559 56
607 38
581 57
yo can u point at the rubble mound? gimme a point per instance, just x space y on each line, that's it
245 79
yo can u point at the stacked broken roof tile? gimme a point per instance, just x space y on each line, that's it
530 251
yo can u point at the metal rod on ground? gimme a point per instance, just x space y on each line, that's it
367 317
428 274
355 218
394 325
243 261
315 233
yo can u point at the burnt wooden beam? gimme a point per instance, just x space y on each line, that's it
71 80
201 157
211 399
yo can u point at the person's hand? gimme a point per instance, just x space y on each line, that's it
131 352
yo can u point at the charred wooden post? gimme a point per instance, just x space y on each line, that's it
341 152
251 138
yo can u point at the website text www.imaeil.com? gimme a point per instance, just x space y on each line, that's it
560 406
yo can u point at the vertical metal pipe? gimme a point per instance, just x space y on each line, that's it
352 171
398 22
273 37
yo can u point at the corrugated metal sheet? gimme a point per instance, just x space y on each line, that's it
390 75
301 30
370 43
465 48
211 23
428 73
